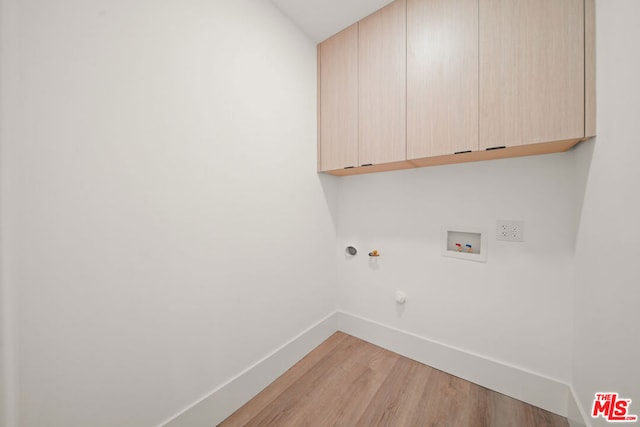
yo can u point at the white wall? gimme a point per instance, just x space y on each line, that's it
321 19
165 227
607 289
515 308
6 342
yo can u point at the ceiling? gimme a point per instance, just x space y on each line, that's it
320 19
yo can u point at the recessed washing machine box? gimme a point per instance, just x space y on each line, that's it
466 243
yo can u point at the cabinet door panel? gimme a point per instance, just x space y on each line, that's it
338 99
382 80
442 77
590 67
531 71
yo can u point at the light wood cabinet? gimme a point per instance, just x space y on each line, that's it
421 80
382 81
442 77
338 101
532 68
590 68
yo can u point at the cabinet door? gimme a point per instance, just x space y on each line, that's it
531 71
338 100
382 80
442 77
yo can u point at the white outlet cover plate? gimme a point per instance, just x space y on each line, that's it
510 231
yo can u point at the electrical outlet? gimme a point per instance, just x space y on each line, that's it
511 231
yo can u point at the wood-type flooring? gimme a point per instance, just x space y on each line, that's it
348 382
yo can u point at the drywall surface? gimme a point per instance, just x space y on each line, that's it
3 317
321 19
164 224
6 343
607 291
515 308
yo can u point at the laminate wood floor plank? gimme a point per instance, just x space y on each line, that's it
269 394
449 401
505 411
398 399
349 382
547 419
303 401
346 402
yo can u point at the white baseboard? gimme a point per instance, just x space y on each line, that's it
226 399
530 387
536 389
575 411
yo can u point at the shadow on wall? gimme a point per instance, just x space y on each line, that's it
583 156
329 184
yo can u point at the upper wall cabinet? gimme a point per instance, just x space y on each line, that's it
427 82
382 79
532 63
338 101
442 77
